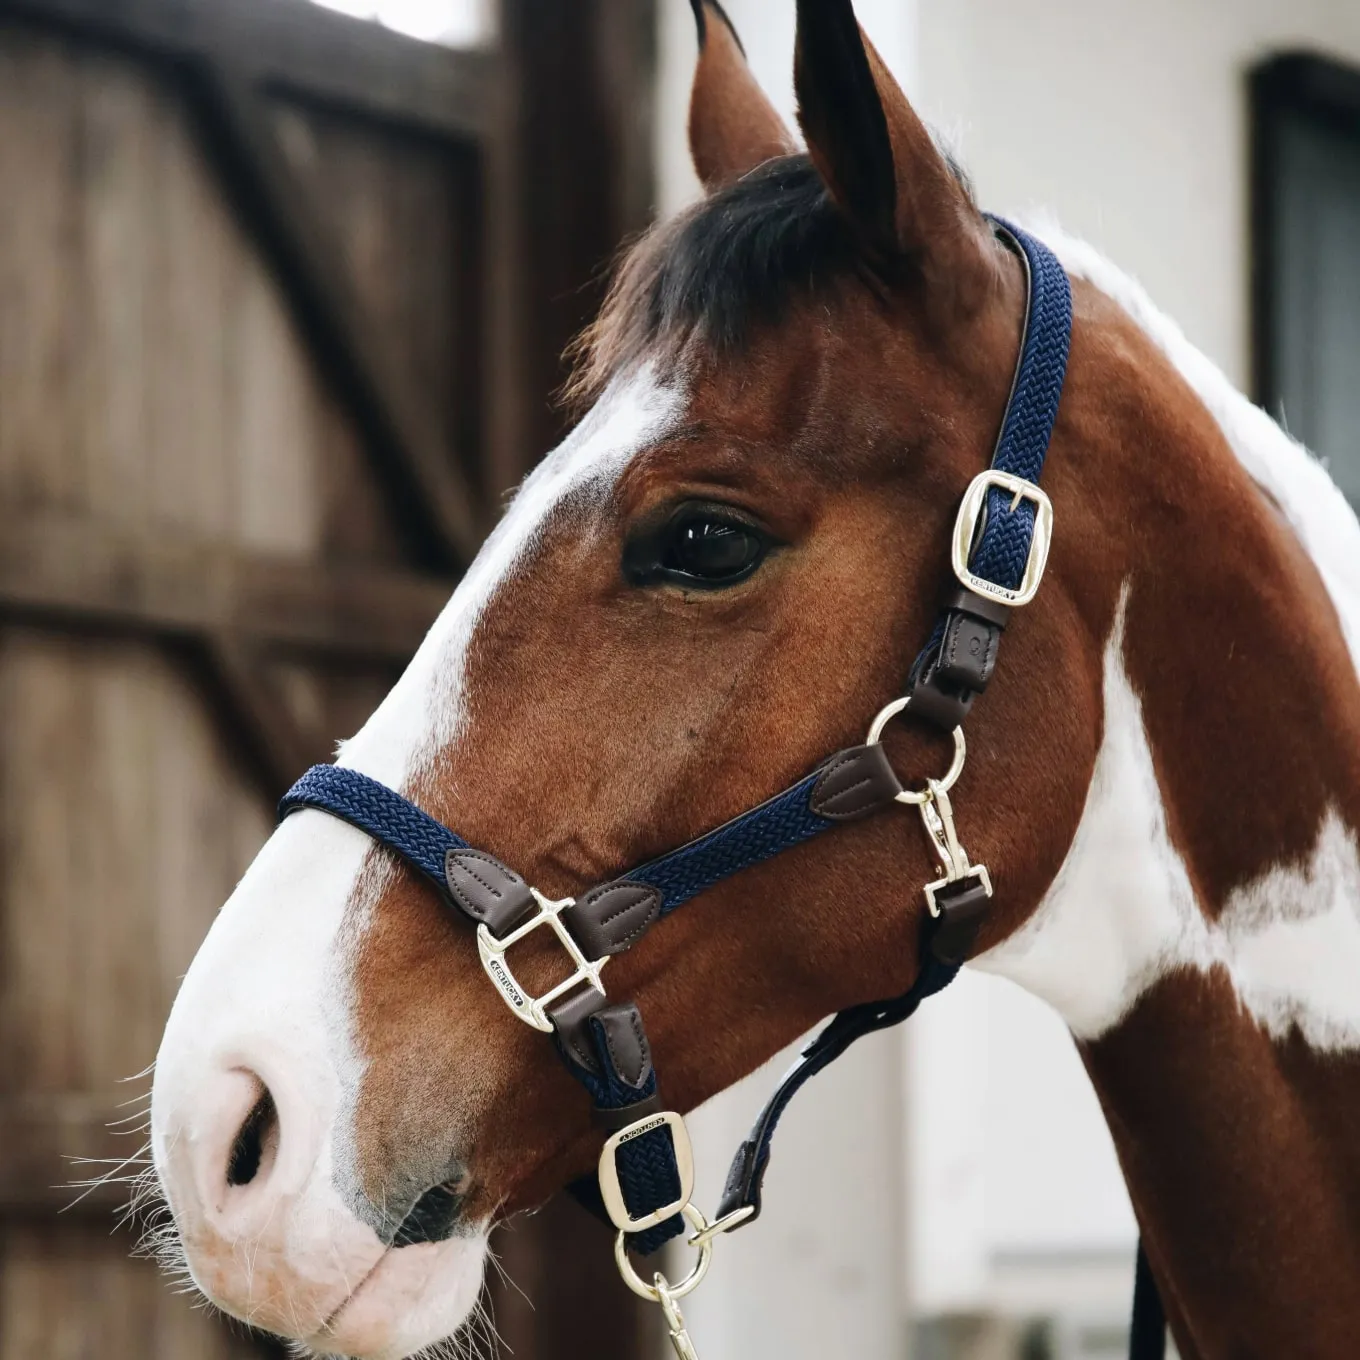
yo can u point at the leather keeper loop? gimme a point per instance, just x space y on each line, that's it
613 917
964 906
968 650
854 783
487 892
611 1121
963 601
944 708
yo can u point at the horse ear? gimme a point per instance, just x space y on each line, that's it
733 127
874 153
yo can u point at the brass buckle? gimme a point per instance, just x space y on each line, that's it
612 1192
533 1010
965 528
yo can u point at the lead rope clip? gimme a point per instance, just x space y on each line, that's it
661 1290
675 1320
937 813
937 816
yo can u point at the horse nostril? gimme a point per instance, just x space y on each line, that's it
255 1144
432 1216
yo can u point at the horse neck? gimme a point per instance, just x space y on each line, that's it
1202 939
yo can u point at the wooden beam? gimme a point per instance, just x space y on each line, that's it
582 182
432 495
227 52
296 45
81 574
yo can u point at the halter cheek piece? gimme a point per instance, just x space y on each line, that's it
999 548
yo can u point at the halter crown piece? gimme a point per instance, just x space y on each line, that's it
646 1175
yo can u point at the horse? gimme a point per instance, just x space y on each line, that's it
720 577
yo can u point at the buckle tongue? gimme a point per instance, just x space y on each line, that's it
965 530
533 1010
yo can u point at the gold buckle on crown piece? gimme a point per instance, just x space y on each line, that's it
965 529
533 1010
611 1191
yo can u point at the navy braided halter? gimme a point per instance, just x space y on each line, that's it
998 552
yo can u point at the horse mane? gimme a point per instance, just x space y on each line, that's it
719 268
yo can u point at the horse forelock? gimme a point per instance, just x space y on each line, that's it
719 271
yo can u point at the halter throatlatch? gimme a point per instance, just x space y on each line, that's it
998 552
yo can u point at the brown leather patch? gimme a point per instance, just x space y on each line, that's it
964 907
626 1041
486 890
569 1019
613 917
853 784
624 1036
968 652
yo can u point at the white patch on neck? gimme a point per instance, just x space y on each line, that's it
1121 913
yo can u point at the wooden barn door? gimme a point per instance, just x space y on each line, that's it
281 301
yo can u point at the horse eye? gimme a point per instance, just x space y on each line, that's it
712 550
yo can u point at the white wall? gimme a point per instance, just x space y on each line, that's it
1129 118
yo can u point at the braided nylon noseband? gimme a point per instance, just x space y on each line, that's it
388 817
647 1167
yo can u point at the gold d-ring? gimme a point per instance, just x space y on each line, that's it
952 774
688 1285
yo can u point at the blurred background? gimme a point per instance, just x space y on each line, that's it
283 293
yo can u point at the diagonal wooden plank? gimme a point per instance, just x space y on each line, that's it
431 493
267 736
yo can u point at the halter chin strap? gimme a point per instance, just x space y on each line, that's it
999 548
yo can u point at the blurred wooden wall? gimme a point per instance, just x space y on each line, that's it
282 300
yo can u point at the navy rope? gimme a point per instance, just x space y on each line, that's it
744 1178
388 817
776 825
648 1174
